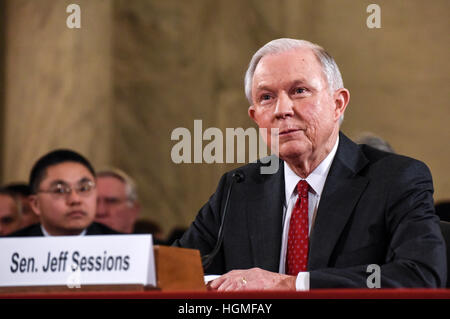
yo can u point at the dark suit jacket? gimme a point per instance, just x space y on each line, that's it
93 229
375 208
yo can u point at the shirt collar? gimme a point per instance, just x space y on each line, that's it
316 179
46 234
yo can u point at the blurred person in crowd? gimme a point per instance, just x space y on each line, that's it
22 192
10 216
63 195
117 200
118 206
375 142
147 226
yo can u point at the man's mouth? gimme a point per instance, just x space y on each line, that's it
288 131
76 214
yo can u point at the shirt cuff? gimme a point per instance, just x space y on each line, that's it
302 281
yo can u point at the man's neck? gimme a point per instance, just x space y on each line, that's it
53 232
304 167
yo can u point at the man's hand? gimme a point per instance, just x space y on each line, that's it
252 279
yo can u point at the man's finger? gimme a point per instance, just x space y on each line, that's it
214 284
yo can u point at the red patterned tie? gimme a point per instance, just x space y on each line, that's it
297 248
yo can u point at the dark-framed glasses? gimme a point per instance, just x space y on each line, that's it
62 189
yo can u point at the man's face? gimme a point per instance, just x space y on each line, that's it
28 216
9 215
113 207
290 93
65 214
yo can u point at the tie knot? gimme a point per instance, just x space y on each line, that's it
302 188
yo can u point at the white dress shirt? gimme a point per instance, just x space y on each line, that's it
316 181
46 234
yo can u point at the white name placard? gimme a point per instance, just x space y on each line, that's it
75 261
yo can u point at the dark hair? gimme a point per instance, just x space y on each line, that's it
6 192
21 189
54 158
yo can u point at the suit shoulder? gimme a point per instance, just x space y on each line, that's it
33 230
100 229
392 163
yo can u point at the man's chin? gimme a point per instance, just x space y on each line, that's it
293 152
78 225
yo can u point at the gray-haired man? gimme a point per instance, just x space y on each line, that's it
334 208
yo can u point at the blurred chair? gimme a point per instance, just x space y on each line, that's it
175 234
147 226
443 210
445 227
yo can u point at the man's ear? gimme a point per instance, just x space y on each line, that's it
251 112
34 204
341 99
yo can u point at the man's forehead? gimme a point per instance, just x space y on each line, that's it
7 205
297 65
109 179
69 172
110 183
303 56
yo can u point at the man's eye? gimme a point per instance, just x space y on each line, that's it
6 220
112 200
84 188
300 90
59 190
265 97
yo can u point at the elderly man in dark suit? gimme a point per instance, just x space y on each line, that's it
335 211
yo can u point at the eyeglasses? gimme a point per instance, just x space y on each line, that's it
62 190
111 201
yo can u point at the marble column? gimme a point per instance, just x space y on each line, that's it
58 83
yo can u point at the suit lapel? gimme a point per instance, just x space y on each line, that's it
264 218
36 230
341 193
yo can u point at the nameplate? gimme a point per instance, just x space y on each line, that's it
74 261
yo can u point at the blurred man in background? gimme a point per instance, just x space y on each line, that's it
10 217
22 191
117 200
118 206
375 142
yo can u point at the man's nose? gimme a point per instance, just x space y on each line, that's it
284 106
101 208
73 197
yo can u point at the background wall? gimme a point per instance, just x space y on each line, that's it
115 89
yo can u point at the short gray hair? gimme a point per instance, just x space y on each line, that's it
329 66
130 185
374 141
